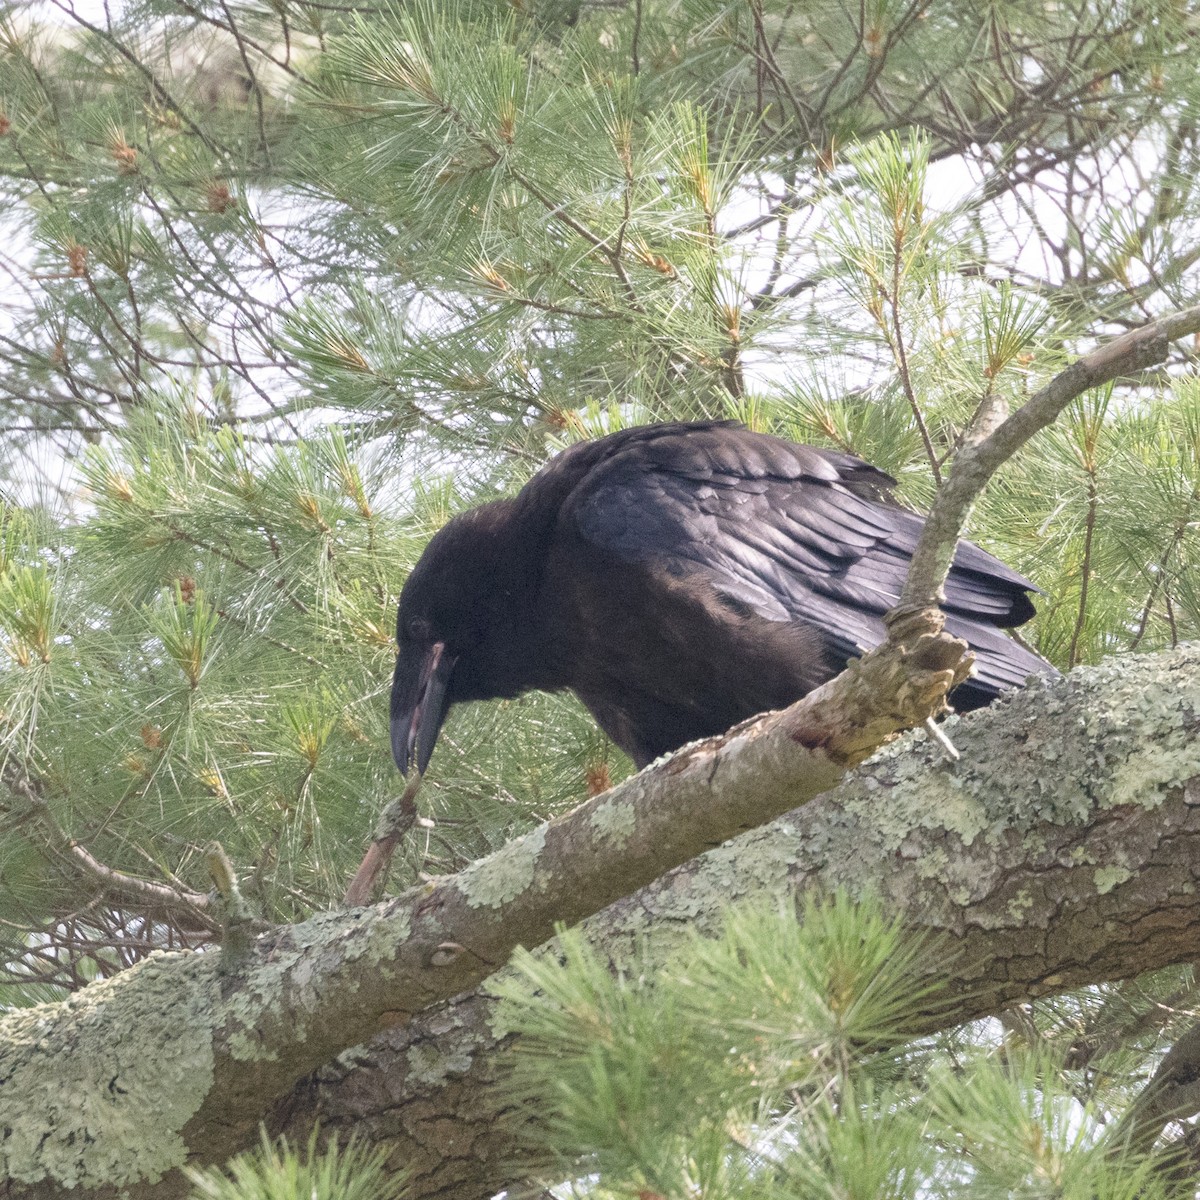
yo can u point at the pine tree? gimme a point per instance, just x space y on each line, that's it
290 283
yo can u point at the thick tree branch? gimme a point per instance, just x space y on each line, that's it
1062 850
235 1040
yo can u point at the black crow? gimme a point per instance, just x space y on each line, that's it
679 578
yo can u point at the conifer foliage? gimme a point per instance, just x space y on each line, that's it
287 283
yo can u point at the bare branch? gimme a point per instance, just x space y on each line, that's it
118 887
978 461
394 822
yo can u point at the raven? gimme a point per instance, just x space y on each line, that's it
679 578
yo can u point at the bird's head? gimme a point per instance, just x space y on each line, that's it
446 624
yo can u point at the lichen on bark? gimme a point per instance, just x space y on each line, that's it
1065 855
493 881
77 1092
1058 852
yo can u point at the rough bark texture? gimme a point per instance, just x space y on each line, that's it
1040 875
1063 849
178 1059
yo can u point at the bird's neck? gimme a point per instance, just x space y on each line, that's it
510 553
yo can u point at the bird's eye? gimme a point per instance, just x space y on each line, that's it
418 630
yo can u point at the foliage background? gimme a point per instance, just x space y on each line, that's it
288 283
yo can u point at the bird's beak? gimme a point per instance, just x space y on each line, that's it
419 703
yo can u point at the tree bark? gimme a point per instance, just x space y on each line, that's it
176 1060
1062 849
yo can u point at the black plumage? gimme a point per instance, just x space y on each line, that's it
679 578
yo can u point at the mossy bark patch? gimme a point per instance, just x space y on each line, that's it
615 821
76 1094
494 881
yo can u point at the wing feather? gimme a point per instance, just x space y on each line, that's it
791 533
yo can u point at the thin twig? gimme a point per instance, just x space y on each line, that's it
938 734
1088 537
395 821
977 462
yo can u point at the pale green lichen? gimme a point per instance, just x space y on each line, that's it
98 1087
615 822
1019 905
1068 748
1162 699
290 964
934 863
1117 734
1107 878
917 795
755 865
304 955
430 1064
493 881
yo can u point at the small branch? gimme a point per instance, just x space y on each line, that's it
118 887
599 244
394 822
1086 574
264 144
938 734
765 299
976 463
906 378
1160 574
155 83
121 888
238 926
765 61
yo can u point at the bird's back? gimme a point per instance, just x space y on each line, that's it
699 573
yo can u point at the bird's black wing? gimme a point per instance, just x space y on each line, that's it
788 533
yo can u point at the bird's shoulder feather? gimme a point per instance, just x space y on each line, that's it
784 531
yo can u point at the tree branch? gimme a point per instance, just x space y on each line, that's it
233 1043
1061 851
228 1042
190 908
978 460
